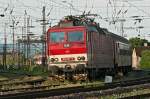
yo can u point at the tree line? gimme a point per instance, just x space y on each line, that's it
145 55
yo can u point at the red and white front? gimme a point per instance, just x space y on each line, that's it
67 46
69 59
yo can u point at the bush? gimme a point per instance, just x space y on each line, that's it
38 70
145 59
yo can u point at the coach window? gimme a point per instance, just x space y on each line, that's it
57 37
75 36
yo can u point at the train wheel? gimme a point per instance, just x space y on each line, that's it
69 75
120 72
68 72
110 72
54 70
91 74
80 69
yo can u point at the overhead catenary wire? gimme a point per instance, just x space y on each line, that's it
138 8
56 4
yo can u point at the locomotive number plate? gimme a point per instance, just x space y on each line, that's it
68 59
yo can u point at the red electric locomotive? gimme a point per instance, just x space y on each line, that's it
77 45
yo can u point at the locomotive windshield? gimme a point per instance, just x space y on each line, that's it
57 37
75 36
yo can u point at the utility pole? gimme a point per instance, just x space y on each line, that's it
28 38
122 24
22 55
4 48
24 38
44 61
13 52
18 51
122 27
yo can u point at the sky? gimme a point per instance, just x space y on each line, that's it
132 15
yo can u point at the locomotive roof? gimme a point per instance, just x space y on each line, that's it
83 21
119 38
106 32
115 36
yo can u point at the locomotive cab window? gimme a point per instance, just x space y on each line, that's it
75 36
57 37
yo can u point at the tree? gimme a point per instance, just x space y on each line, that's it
137 42
145 59
144 41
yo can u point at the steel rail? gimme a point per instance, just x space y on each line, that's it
71 90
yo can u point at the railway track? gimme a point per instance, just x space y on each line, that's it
137 96
44 91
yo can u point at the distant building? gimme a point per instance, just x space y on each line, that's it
136 56
37 59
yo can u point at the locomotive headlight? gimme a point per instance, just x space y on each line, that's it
83 58
52 59
56 59
78 58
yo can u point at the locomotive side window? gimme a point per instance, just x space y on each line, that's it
75 36
57 37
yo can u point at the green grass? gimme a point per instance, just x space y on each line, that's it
3 78
145 59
